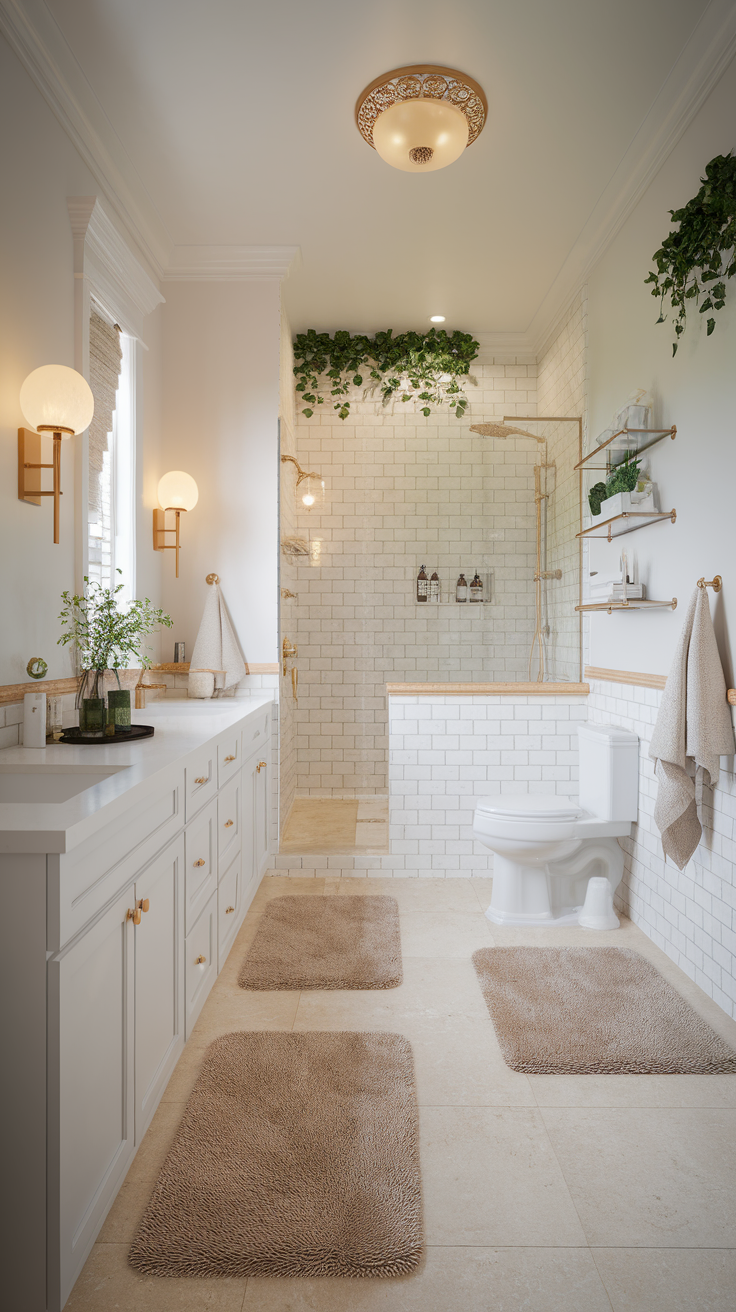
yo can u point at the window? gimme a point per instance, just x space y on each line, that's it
111 512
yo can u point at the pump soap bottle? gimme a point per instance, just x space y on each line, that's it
461 589
476 588
422 585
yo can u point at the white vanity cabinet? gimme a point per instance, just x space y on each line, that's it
139 918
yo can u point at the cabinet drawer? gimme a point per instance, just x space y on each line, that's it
228 757
200 863
229 821
229 908
255 733
200 961
201 780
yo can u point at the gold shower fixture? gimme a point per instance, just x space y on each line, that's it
314 492
504 430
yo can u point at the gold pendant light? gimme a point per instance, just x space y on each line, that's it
421 118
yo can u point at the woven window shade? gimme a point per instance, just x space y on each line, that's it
105 358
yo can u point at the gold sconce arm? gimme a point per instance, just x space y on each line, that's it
301 474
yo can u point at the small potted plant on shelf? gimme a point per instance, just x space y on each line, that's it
626 487
107 635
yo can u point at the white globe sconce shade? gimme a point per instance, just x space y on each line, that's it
421 118
420 136
56 399
177 491
53 399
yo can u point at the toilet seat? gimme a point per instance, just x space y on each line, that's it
530 807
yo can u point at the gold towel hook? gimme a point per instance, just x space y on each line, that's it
715 583
212 578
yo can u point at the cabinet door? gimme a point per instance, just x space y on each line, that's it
200 957
200 840
261 809
91 1126
159 979
255 816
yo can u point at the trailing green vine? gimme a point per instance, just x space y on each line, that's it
692 258
411 366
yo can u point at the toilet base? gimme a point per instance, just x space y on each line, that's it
556 893
567 917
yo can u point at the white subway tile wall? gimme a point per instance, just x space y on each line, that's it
690 914
405 491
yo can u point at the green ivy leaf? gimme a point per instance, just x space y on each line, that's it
711 326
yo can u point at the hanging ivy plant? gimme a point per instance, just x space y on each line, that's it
411 366
692 259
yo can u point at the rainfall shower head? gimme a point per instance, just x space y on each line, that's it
503 430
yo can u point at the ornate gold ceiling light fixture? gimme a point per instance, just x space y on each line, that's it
422 117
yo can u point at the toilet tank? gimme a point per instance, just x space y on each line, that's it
609 771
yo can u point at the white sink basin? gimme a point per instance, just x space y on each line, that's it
28 783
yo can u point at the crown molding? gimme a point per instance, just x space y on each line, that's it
231 263
703 60
118 273
36 39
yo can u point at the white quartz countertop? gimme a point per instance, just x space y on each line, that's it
127 773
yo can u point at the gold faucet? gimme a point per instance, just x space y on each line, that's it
288 649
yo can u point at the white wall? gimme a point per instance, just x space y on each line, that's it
696 391
220 412
39 169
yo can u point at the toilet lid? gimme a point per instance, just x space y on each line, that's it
530 807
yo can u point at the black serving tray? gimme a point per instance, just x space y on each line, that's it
78 737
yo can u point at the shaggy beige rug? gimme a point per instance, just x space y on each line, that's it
325 943
593 1011
297 1155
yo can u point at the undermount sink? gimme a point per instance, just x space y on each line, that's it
28 783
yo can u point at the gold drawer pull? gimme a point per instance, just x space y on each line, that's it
143 903
261 766
201 862
203 780
134 915
229 758
228 823
228 910
200 961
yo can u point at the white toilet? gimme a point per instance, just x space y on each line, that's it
551 853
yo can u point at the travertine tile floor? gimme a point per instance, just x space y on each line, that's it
541 1193
336 826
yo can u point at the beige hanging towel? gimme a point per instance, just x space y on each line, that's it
217 646
693 730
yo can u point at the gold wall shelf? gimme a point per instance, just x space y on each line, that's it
621 442
637 603
645 516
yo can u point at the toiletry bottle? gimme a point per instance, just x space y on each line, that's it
476 588
434 588
34 719
461 589
422 585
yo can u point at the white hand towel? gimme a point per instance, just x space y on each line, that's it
217 646
694 722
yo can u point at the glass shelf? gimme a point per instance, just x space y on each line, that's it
633 440
643 516
637 603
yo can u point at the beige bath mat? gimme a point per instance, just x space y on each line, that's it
325 943
297 1155
592 1011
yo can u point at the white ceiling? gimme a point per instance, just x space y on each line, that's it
232 124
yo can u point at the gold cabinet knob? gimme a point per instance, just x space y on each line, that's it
143 903
229 758
229 823
261 766
201 862
203 780
134 915
228 910
200 960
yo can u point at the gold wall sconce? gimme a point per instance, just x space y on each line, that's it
54 399
310 488
177 491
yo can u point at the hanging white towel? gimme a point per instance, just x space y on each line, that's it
694 723
217 646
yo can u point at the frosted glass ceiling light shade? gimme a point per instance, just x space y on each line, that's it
421 118
56 399
177 491
420 136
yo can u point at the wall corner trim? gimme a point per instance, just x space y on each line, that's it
626 676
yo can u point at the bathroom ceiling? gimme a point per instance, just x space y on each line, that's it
231 123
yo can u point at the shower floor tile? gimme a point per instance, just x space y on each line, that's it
336 826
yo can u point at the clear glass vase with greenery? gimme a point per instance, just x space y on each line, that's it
105 634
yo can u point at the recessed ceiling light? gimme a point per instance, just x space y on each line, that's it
436 318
